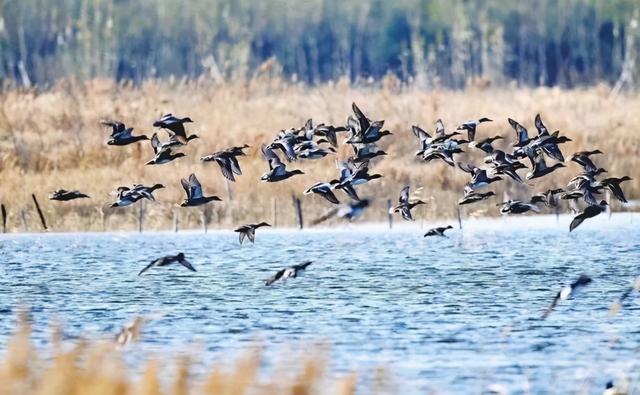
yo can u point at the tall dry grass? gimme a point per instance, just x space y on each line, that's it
98 368
52 139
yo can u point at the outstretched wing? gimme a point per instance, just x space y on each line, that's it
187 264
439 127
185 186
275 277
155 143
363 121
404 195
149 266
195 187
542 130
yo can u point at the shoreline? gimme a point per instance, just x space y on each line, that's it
541 221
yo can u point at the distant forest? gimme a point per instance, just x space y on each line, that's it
448 43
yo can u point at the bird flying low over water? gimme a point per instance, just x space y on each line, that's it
588 212
288 272
121 135
169 260
249 231
405 205
438 231
566 292
470 127
517 207
63 195
193 189
277 169
162 154
227 160
128 196
175 127
324 189
474 197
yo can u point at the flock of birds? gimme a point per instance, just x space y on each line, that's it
311 142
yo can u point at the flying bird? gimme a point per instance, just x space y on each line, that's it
193 189
63 195
566 292
288 272
169 260
249 231
438 231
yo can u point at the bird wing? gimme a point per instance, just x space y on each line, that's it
225 167
301 266
271 157
155 143
235 166
330 196
195 187
275 277
578 219
251 234
404 195
185 186
521 133
187 264
149 266
542 130
617 192
439 128
406 213
350 191
552 306
363 121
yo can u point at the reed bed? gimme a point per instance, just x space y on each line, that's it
52 139
91 367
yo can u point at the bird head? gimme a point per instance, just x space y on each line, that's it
485 120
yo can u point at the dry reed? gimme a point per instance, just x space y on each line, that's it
52 139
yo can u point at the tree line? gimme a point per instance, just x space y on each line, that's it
449 43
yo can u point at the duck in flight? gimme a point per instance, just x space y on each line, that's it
438 231
63 195
485 144
128 196
228 161
589 212
162 154
474 197
121 135
324 189
249 231
288 272
470 127
193 189
175 127
169 260
405 205
517 207
566 292
541 169
613 184
277 170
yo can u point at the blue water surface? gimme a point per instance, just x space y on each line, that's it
452 315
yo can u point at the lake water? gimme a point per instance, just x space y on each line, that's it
454 315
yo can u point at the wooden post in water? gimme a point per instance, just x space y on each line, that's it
4 218
275 212
40 214
203 218
228 187
103 218
140 215
23 217
297 205
459 217
175 220
389 215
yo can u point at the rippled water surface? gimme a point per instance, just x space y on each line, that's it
454 315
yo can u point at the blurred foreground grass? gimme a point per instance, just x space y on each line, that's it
98 368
